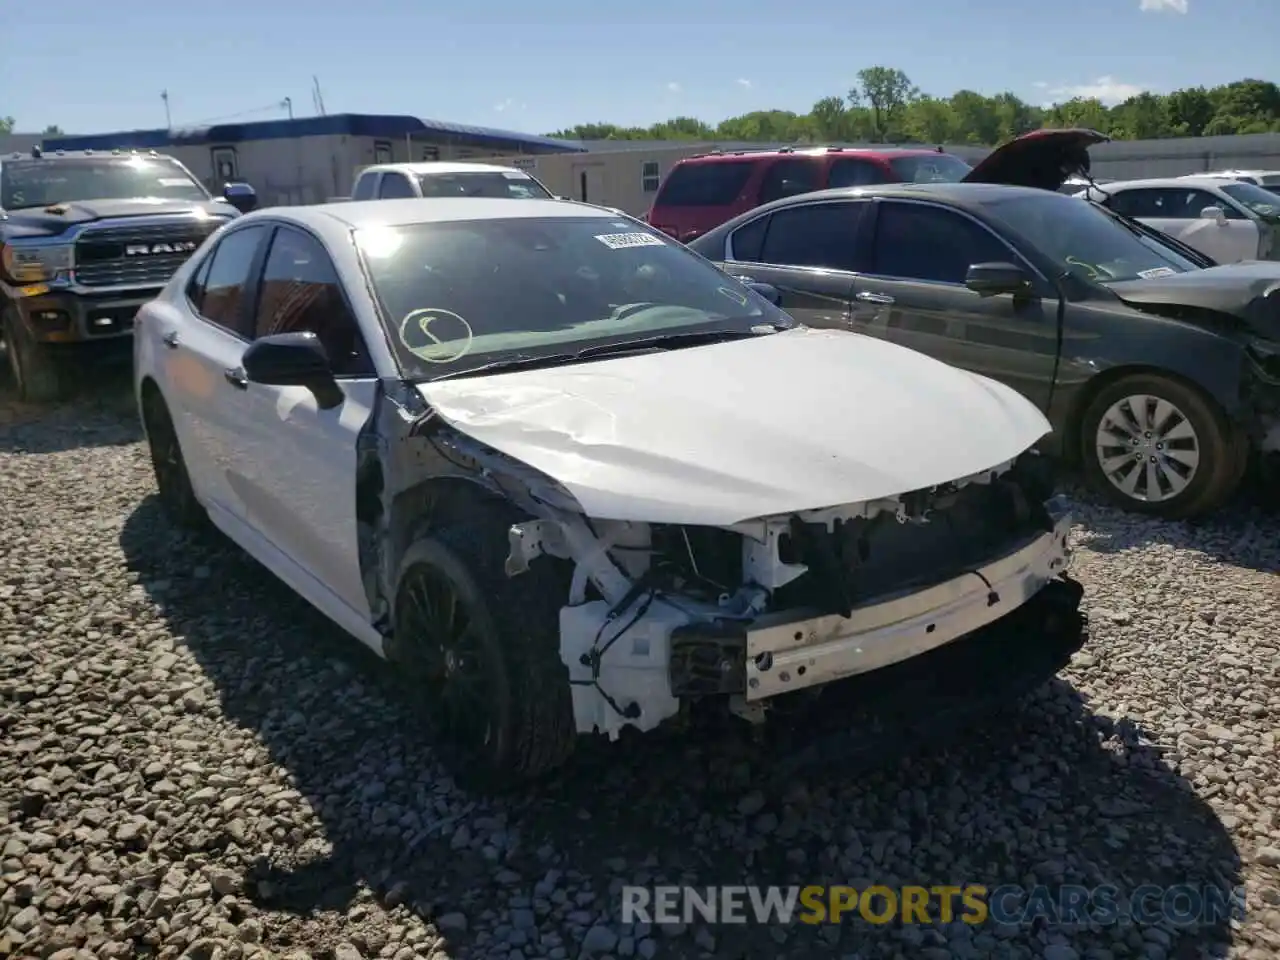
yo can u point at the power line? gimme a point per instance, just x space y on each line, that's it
271 108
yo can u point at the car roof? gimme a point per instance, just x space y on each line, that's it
872 152
17 156
427 167
359 214
955 192
1174 182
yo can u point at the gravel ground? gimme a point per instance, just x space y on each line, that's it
194 764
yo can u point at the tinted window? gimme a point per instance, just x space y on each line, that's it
788 178
517 186
714 183
1078 236
929 168
300 292
364 187
1254 198
924 242
459 295
814 235
847 172
48 181
222 298
1169 204
395 186
748 240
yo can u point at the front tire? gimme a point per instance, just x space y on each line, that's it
480 650
36 372
172 480
1157 446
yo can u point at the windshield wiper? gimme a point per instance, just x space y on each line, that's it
665 341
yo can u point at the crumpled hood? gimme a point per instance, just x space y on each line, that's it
40 220
718 434
1249 291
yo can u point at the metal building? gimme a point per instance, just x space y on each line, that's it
310 159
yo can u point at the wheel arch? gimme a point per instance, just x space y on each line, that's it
1071 435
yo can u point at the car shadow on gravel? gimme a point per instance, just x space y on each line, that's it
1244 533
1049 793
98 410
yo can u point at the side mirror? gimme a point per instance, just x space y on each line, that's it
989 279
293 360
241 196
766 290
1214 213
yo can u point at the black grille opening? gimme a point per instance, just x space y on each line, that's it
860 560
137 255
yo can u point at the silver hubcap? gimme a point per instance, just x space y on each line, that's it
1147 448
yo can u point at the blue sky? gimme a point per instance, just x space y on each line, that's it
538 66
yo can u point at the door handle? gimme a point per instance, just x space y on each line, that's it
171 339
867 297
235 376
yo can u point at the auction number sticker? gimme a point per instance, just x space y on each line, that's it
1155 272
623 241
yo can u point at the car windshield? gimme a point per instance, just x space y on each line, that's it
1263 203
464 294
50 180
482 184
929 168
1085 241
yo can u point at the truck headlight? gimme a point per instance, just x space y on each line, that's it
35 264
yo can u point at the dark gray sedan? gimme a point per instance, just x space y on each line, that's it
1159 370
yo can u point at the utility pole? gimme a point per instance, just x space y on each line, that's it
168 120
287 103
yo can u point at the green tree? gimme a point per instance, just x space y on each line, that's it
53 130
6 124
886 91
886 105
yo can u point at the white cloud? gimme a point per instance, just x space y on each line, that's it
673 87
1040 85
506 104
744 84
1107 89
1163 6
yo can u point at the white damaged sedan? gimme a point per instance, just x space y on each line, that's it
571 478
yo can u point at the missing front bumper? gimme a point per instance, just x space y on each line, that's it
785 654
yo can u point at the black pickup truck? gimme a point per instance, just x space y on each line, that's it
85 239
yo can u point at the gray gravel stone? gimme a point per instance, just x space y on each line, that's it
195 764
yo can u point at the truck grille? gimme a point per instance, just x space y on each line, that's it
136 255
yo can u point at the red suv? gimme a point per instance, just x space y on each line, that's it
702 192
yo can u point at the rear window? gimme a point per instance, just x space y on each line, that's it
929 168
715 184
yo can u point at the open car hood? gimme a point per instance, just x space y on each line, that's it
1248 291
1043 158
734 431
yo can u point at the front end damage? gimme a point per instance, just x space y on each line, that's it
755 616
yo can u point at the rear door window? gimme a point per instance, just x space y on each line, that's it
715 183
850 172
790 177
365 187
813 235
395 186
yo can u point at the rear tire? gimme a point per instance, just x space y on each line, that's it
1157 446
172 480
500 642
36 371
